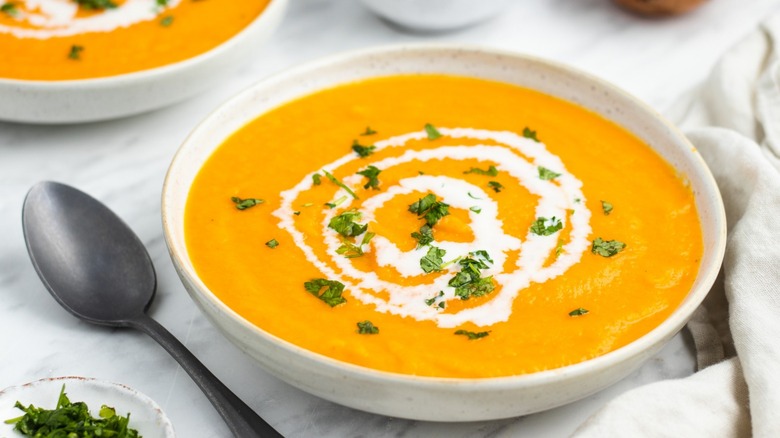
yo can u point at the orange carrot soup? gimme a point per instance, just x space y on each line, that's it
78 39
443 226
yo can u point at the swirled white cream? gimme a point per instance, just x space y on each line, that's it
515 155
42 19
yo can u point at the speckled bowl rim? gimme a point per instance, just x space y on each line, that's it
658 336
150 74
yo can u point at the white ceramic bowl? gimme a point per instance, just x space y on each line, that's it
436 15
426 398
87 100
146 416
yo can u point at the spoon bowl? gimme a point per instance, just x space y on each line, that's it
113 280
98 269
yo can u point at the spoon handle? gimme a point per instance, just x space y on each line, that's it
240 418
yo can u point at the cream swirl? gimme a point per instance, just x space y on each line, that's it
42 19
520 158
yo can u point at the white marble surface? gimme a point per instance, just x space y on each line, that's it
123 163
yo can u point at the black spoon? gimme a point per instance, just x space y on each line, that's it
98 270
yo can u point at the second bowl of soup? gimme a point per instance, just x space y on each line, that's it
79 61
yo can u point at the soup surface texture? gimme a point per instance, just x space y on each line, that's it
78 39
478 229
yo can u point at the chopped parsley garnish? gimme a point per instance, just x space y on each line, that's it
607 248
96 4
243 204
469 281
544 227
430 209
335 203
273 243
71 420
75 52
339 183
362 150
424 236
345 224
166 21
466 287
350 250
368 131
559 249
328 291
432 132
606 207
472 196
432 261
496 186
491 171
527 133
577 200
482 254
472 335
316 179
367 328
547 174
578 312
476 209
10 9
371 172
431 301
451 262
162 2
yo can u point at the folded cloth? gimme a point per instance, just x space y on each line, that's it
734 122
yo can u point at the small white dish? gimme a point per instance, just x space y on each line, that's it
145 415
436 15
89 100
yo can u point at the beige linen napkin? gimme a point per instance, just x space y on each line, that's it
734 121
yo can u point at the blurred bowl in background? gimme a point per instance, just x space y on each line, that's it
660 8
435 15
110 97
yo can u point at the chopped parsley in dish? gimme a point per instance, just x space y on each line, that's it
71 420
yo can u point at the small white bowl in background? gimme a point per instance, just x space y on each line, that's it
436 15
145 415
110 97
